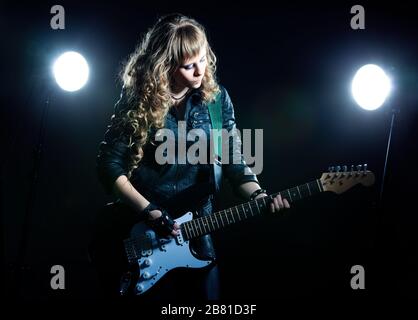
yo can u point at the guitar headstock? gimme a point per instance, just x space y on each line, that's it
340 179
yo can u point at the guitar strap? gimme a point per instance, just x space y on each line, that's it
215 111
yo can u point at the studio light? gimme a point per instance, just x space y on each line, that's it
71 71
370 87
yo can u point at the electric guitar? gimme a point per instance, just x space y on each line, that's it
150 257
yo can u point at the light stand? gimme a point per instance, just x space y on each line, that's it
20 267
71 74
394 112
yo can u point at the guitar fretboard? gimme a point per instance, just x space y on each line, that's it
220 219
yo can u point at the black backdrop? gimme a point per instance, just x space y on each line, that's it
288 70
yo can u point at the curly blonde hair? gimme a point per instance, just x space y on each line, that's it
147 74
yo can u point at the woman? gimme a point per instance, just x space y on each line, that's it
167 81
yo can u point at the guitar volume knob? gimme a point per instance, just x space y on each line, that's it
139 288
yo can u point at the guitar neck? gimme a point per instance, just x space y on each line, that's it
221 219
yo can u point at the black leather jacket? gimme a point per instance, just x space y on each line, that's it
177 187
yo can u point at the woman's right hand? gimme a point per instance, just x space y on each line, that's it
163 225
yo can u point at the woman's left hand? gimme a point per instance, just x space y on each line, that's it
277 203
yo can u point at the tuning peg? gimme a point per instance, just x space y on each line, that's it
343 171
337 171
359 167
365 169
331 169
351 170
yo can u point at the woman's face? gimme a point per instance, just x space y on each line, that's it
191 72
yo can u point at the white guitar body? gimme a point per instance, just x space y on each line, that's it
159 255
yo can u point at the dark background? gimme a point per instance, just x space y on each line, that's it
288 70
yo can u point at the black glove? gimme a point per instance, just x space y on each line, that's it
163 225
